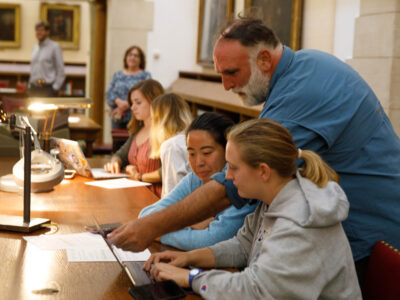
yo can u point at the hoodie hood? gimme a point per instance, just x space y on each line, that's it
304 203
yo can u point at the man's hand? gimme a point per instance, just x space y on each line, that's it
133 235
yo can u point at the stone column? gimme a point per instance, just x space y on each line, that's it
376 54
129 22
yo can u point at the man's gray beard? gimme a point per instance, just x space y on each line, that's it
256 90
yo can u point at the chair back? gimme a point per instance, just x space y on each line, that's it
382 279
4 83
119 137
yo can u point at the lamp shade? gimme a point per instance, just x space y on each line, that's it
52 103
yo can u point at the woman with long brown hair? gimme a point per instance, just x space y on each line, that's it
134 155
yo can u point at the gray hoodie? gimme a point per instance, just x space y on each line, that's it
294 249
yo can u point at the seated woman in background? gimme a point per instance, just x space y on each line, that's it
293 246
134 155
122 81
205 140
170 116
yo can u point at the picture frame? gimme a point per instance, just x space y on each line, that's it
10 24
284 17
212 16
64 23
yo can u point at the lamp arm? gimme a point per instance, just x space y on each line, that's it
25 121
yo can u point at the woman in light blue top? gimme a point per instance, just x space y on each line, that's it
205 139
121 83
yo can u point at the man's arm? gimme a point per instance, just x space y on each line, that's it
59 66
204 202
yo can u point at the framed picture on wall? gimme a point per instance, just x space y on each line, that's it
284 17
10 24
212 16
64 23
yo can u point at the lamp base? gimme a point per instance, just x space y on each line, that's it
17 224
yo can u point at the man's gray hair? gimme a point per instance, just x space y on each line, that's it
250 32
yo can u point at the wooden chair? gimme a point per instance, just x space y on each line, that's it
119 137
4 83
11 104
382 279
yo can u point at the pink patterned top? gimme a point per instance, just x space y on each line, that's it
139 156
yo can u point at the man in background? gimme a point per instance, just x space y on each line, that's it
47 65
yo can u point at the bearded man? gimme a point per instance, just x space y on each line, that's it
328 108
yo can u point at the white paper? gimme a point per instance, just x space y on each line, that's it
66 241
84 247
104 254
117 183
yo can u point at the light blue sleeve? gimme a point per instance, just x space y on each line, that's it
225 226
187 185
230 188
111 94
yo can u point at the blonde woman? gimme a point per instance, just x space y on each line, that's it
170 117
293 246
134 155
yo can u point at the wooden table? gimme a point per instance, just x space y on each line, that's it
25 268
82 127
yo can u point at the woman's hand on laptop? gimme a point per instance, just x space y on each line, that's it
133 171
162 271
175 258
112 167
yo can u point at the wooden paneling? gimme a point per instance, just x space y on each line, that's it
206 92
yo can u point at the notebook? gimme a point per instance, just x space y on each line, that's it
71 155
143 287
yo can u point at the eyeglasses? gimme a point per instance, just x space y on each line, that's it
133 55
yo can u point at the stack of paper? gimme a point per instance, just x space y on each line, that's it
84 247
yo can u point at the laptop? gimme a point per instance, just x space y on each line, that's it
143 286
70 153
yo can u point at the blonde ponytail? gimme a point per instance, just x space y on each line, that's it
316 170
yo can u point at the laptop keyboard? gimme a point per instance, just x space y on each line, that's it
141 277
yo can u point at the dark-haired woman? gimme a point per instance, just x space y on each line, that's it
122 81
205 140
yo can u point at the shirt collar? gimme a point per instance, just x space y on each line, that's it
45 42
284 62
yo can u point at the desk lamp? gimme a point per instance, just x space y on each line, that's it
43 104
16 223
